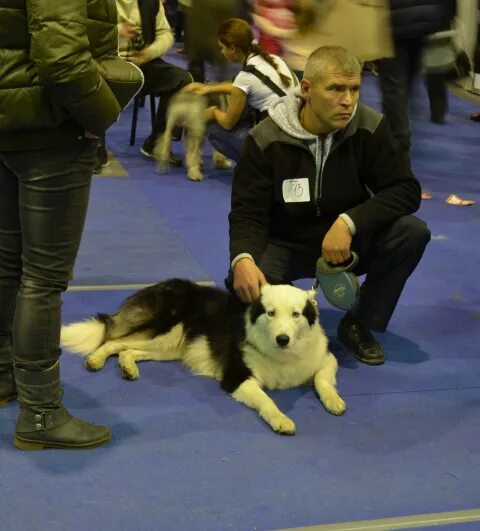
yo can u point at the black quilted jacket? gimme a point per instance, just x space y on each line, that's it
60 74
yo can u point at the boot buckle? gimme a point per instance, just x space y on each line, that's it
40 421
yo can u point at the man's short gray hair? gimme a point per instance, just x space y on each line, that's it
336 56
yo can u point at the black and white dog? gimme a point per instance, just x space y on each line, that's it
275 342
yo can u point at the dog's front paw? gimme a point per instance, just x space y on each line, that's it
282 424
94 364
335 405
195 175
130 372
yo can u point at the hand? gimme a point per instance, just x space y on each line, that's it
127 31
197 88
336 244
210 114
141 57
247 279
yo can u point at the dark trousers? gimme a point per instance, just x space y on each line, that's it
229 143
396 76
163 79
388 258
43 203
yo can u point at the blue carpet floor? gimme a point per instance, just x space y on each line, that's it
186 456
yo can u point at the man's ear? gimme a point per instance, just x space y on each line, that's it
305 88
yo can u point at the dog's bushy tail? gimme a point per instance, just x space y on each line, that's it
86 336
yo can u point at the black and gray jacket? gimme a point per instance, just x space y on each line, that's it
291 185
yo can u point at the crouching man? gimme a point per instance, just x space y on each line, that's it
323 175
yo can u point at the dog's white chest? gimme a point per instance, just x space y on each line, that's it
274 374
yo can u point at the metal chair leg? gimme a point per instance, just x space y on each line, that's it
153 110
133 130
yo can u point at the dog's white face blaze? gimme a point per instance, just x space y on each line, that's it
283 324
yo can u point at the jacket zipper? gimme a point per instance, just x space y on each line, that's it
319 182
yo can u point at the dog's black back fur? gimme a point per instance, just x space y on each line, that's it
202 310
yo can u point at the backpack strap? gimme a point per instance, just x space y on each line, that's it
264 79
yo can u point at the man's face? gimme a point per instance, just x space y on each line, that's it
331 99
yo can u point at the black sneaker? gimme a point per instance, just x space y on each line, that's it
102 159
148 146
358 339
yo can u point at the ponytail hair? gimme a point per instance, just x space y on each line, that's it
237 32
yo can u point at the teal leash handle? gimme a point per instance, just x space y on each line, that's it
326 269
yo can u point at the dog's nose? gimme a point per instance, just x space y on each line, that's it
283 340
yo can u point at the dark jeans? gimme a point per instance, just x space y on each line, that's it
229 142
43 203
396 76
388 258
163 79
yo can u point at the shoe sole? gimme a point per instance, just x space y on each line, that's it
146 153
369 362
363 360
102 167
26 444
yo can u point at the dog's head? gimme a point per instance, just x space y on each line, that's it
281 317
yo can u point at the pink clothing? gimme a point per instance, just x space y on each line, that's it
278 12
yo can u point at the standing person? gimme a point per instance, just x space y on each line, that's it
322 175
412 21
60 89
202 20
145 37
264 78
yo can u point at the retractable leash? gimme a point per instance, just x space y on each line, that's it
339 286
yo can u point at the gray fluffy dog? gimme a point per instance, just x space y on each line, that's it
187 110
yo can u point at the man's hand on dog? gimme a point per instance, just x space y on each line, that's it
337 242
247 280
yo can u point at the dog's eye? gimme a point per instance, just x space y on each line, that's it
296 315
271 313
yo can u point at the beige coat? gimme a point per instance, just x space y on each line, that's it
360 26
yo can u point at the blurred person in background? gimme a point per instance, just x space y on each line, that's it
280 15
202 20
264 78
62 85
145 37
412 22
359 27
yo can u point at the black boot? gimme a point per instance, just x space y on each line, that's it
43 421
8 390
358 339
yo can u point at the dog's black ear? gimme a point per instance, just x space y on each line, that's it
310 312
256 310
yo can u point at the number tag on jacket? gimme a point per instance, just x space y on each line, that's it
296 190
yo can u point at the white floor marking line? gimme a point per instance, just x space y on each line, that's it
119 287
